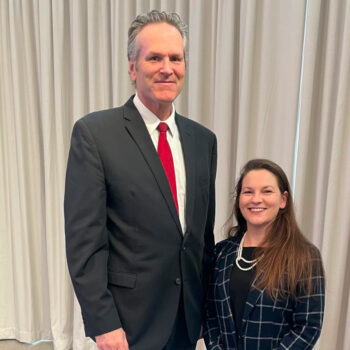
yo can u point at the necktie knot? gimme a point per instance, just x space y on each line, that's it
162 127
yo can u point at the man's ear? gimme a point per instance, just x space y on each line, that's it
132 70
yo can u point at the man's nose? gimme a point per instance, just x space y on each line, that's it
166 66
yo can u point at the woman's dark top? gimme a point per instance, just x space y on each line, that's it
240 282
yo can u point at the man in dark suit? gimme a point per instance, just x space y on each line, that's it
139 223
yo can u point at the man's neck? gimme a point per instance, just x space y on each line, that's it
161 110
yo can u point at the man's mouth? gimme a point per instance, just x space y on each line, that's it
165 82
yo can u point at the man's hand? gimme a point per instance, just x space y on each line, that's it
115 340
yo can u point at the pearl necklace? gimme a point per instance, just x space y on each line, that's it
240 257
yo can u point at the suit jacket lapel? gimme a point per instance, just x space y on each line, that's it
138 131
188 150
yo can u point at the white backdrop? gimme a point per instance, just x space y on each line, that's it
271 78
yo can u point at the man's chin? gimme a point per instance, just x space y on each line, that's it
167 97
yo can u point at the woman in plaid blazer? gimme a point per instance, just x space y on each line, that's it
267 284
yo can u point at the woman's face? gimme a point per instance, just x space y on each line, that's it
260 198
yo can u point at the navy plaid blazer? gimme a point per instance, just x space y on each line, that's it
267 324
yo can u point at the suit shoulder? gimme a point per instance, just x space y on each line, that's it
102 116
195 126
102 122
96 125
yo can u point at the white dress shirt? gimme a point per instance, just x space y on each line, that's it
173 138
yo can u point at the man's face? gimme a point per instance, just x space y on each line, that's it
160 67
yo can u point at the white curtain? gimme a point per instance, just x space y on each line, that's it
323 166
271 78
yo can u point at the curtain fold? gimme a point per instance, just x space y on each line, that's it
270 78
322 186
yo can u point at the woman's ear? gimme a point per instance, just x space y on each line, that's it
284 200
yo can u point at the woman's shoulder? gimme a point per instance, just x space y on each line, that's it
316 260
227 244
314 253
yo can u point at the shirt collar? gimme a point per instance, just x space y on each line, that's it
151 120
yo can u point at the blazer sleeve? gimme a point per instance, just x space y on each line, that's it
211 328
87 234
308 313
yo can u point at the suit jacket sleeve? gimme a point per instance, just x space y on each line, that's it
208 255
87 234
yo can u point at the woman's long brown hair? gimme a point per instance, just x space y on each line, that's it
285 263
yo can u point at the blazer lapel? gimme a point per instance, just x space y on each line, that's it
188 150
139 133
226 276
254 295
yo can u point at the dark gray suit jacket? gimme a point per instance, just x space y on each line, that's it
127 255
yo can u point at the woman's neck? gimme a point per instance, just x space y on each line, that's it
254 238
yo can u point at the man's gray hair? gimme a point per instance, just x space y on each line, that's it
152 17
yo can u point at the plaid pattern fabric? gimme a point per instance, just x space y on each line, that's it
267 324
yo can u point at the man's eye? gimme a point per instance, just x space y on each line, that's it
176 59
154 58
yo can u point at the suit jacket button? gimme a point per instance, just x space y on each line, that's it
178 281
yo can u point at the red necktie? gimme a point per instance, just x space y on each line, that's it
166 158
